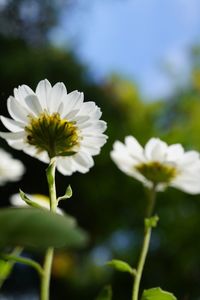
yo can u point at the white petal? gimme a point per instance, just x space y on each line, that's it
43 156
126 164
80 119
43 90
91 149
94 140
12 125
94 128
56 96
16 144
22 92
134 148
189 158
83 161
174 152
17 111
33 104
72 101
71 114
155 150
12 135
65 165
90 109
187 184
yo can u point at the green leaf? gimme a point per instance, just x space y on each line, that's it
38 229
105 294
28 200
121 266
157 294
151 222
67 195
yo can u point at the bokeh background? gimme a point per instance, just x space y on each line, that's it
140 62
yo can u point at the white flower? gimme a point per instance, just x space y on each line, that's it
158 164
49 122
10 169
40 200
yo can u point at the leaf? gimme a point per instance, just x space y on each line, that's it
157 294
67 195
105 294
121 266
28 200
38 229
151 222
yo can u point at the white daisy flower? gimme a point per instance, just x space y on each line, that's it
158 164
51 123
38 199
10 169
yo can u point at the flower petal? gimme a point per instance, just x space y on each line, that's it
43 90
12 135
56 96
174 152
11 125
33 104
17 111
134 148
72 101
155 150
22 92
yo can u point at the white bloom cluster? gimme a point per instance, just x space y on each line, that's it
10 169
53 123
159 164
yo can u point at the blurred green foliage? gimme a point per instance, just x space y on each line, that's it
109 205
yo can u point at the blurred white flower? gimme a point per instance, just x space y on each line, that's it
10 169
158 164
40 201
51 123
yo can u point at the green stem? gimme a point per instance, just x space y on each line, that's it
23 260
145 245
151 201
143 255
45 284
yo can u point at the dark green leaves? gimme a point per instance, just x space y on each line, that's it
157 294
38 229
105 294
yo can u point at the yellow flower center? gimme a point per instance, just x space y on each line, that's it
52 134
157 172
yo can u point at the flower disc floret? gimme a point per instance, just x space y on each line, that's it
52 134
157 172
49 122
158 164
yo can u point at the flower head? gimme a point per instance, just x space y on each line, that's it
158 164
10 169
50 123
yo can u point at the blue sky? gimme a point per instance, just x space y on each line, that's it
135 38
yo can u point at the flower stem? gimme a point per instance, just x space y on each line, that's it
45 284
151 201
23 260
145 245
